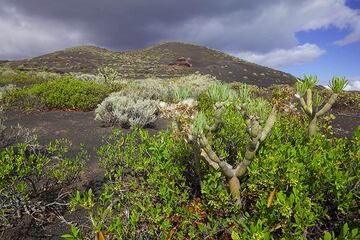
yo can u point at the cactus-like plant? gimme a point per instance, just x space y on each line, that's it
311 103
258 134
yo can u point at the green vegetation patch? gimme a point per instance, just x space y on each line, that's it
62 93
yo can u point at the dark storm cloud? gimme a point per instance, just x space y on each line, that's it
32 27
132 24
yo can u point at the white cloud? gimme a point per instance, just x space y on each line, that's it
284 57
354 84
268 25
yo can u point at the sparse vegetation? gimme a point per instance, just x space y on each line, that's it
237 163
294 188
29 172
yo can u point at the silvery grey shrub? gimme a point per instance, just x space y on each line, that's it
127 111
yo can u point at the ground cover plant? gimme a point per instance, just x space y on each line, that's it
239 162
33 181
237 168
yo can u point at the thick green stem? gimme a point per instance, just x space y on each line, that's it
312 128
197 154
309 102
234 185
328 105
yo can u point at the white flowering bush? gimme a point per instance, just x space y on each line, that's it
127 111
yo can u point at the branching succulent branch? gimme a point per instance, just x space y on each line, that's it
313 102
257 132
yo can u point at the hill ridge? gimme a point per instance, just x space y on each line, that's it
153 61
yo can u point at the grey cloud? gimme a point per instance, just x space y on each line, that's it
230 25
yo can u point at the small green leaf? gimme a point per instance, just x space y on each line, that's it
327 236
235 236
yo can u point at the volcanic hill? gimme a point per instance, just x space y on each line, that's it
159 61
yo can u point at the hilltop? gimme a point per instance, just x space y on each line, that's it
154 61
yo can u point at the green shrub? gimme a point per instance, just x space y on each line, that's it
29 173
221 93
295 188
148 193
108 74
314 106
62 93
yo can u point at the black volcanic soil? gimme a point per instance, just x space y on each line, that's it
154 62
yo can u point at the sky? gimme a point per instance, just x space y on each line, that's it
319 37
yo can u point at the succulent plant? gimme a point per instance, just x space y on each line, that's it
258 134
311 103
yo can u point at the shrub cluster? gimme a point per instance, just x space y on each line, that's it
61 93
296 187
137 104
4 90
31 179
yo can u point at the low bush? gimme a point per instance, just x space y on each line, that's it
296 187
63 93
127 111
31 180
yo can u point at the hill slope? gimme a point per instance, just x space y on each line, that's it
154 61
